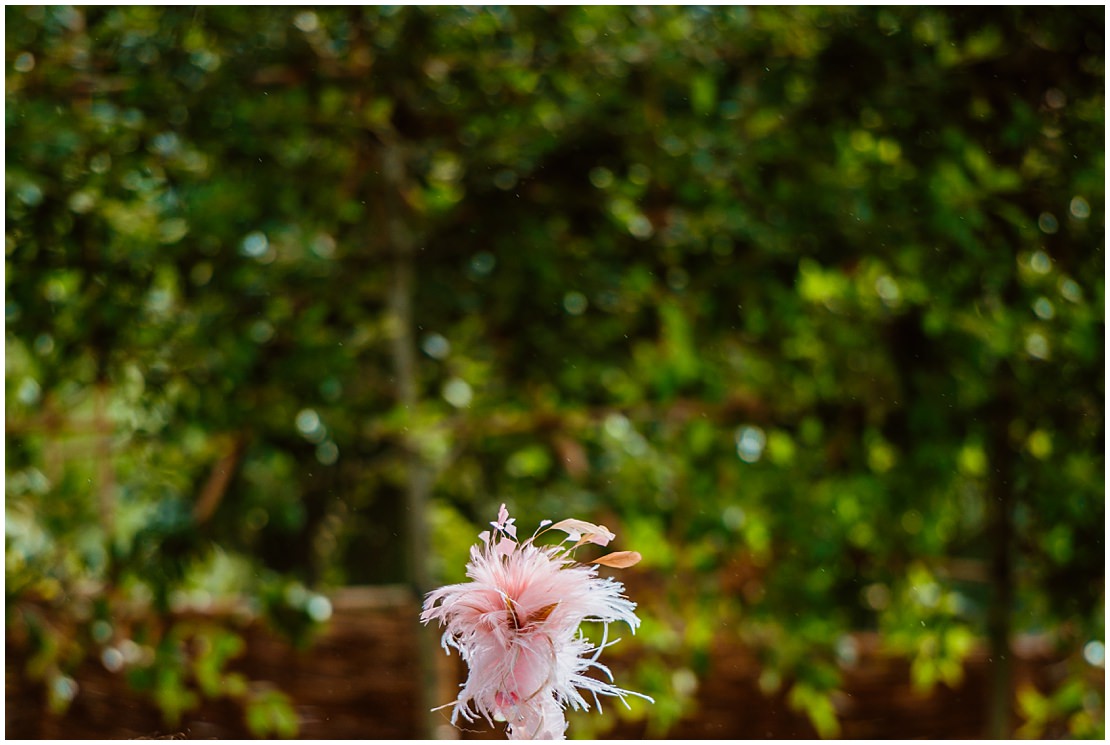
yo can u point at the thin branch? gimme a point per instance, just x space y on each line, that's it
219 479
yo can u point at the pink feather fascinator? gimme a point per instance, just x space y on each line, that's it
516 625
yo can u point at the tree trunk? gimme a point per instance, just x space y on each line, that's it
404 366
1000 493
105 469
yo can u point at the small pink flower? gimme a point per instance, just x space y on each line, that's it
516 624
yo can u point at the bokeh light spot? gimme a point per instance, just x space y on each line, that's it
327 453
308 421
1055 98
64 688
1079 208
877 596
24 62
1040 444
601 177
505 179
319 608
306 21
888 290
1094 652
750 441
1044 309
458 393
261 331
640 227
1037 345
436 346
112 659
617 426
575 303
254 244
1071 291
1047 223
481 264
1040 262
733 517
29 392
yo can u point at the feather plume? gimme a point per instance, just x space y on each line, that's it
516 625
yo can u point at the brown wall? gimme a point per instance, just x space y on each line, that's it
359 681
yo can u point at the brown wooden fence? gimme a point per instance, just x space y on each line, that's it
359 681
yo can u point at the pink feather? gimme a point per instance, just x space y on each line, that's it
516 625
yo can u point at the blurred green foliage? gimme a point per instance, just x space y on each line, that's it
806 303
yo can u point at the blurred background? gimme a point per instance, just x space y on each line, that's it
806 304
